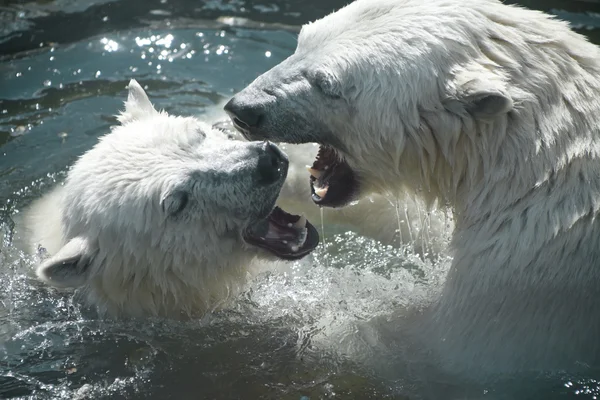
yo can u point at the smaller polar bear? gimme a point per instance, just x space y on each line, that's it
164 216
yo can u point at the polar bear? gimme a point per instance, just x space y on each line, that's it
164 216
490 109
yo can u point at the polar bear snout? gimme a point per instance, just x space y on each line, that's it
272 164
244 115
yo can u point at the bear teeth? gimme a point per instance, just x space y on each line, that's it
302 237
301 223
321 192
314 172
300 242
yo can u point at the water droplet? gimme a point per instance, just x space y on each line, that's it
267 53
47 83
18 131
98 73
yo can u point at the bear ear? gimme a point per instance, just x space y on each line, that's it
69 267
480 92
137 106
174 202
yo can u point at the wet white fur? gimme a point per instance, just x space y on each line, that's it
145 263
493 110
114 228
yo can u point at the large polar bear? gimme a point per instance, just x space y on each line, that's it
491 109
164 216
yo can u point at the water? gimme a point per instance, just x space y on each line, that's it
323 237
306 329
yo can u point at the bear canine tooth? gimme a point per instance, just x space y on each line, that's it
321 192
314 172
302 237
301 223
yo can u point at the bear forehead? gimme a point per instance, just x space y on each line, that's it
405 19
142 154
145 144
161 132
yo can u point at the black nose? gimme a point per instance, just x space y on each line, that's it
244 116
272 164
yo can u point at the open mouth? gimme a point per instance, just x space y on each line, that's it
332 181
241 127
287 236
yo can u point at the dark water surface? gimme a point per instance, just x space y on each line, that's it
64 65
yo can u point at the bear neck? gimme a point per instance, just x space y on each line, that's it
526 174
525 240
157 283
525 160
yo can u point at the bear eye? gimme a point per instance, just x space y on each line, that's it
325 83
173 203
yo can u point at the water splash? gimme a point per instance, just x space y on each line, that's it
396 205
323 240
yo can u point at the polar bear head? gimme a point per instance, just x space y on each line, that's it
166 208
435 96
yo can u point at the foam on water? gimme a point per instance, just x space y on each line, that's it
304 328
53 347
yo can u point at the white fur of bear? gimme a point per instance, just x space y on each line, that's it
114 228
490 109
155 219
